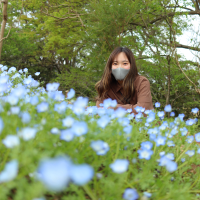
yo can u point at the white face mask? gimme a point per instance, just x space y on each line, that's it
120 73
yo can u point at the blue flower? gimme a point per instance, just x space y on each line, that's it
124 121
182 159
42 107
11 141
27 133
145 153
107 103
34 100
151 117
61 108
71 93
147 194
170 156
120 112
139 115
161 114
139 109
160 140
190 153
130 194
157 104
51 87
68 121
103 121
26 118
67 135
128 129
198 151
171 166
119 166
172 114
170 143
100 147
55 131
197 137
37 73
146 145
168 108
195 110
1 125
10 171
81 174
79 128
181 116
183 131
55 173
190 139
190 122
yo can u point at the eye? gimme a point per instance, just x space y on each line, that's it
114 63
125 63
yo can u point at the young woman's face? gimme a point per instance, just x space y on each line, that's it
121 61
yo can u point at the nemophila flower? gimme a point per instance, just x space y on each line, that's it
190 139
107 103
101 111
60 108
190 122
129 110
168 108
147 194
55 173
195 110
157 104
197 137
198 151
190 153
160 140
11 69
177 121
67 135
131 116
71 93
147 124
34 100
120 112
139 115
168 134
151 117
19 92
170 143
124 121
42 107
103 121
99 175
154 131
119 166
79 128
130 194
174 131
182 159
172 114
10 171
162 153
68 121
27 133
183 131
181 116
171 166
145 153
78 110
58 96
15 110
51 87
162 127
12 100
146 145
55 131
128 129
161 114
170 156
37 73
100 147
4 79
25 70
81 174
139 109
11 141
81 102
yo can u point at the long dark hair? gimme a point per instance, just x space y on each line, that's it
103 86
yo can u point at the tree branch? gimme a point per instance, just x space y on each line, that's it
7 35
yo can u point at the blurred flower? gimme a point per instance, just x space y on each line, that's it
182 159
25 70
190 139
170 156
37 73
172 114
130 194
170 143
27 133
171 166
128 129
11 141
79 128
183 131
51 87
11 69
161 114
197 137
81 174
71 93
168 108
146 145
198 151
15 110
61 108
147 194
12 100
10 171
68 121
103 121
190 122
195 110
139 109
124 121
42 107
55 131
181 116
120 112
100 147
119 166
160 140
55 173
151 117
1 125
67 135
145 153
25 117
190 153
41 198
157 104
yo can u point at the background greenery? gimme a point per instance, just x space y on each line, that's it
70 41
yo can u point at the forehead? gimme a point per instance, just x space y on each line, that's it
121 57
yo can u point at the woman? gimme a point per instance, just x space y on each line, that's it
121 81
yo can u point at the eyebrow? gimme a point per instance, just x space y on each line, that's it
122 61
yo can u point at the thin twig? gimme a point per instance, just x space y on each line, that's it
6 36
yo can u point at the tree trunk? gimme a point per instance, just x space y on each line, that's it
3 25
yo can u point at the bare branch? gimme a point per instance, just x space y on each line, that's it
7 35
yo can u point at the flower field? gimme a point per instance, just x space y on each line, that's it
55 148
